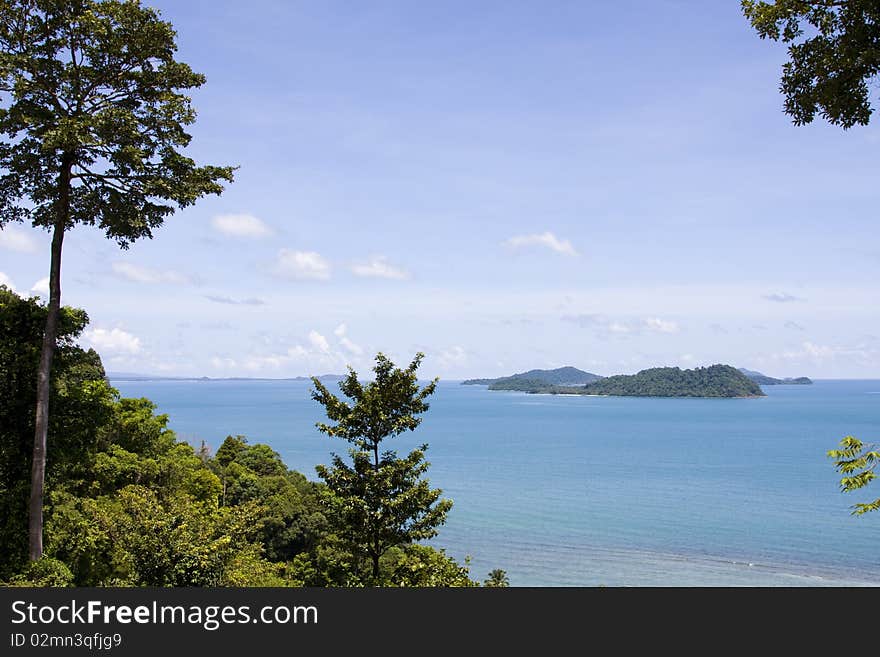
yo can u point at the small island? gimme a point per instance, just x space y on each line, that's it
764 380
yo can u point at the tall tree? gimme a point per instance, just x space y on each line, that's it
380 501
93 123
829 72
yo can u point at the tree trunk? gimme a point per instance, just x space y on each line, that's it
50 334
375 556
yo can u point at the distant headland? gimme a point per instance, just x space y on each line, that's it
764 380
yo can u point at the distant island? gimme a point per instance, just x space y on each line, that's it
715 381
764 380
537 380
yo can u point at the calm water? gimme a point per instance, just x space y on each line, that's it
582 491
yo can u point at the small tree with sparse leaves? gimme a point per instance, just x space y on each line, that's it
379 501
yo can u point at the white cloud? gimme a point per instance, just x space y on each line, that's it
241 225
547 240
621 327
251 301
351 347
139 274
302 265
348 345
16 239
452 357
660 325
5 280
223 363
114 341
41 287
319 342
257 363
782 297
378 267
820 354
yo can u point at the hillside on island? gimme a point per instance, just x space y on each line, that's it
764 380
538 380
714 381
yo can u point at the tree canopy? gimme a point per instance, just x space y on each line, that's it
834 55
94 118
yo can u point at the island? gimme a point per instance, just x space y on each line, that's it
764 380
538 380
714 381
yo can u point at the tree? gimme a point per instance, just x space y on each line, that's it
497 578
856 462
379 501
94 130
828 72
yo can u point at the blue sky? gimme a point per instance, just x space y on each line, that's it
500 185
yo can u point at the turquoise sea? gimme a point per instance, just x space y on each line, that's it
584 491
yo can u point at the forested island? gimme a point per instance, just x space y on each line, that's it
764 380
714 381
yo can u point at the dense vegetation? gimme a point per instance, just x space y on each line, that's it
714 381
537 379
764 380
129 504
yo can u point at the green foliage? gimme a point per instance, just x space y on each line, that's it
834 55
714 381
80 398
44 572
856 462
134 537
423 566
497 578
292 520
379 501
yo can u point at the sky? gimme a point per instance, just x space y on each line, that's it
500 185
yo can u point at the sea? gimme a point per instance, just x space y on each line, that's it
563 491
